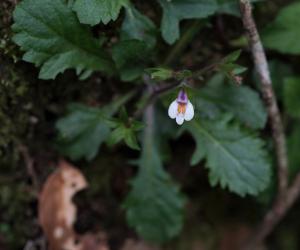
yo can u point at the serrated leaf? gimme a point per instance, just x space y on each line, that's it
138 26
125 129
291 94
83 129
95 11
154 205
130 57
177 10
235 158
126 134
51 36
283 33
241 101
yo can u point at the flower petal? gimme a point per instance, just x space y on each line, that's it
179 119
172 112
189 112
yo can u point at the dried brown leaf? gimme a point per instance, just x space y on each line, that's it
57 212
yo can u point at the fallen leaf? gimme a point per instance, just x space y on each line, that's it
57 212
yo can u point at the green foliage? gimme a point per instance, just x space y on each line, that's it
160 74
125 129
95 11
138 26
55 37
228 7
154 206
232 57
175 11
130 57
291 92
82 131
241 101
236 158
84 128
57 41
230 69
283 33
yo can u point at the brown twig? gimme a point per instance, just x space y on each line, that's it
268 93
153 95
275 215
286 196
156 91
29 162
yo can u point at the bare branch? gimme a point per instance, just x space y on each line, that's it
268 94
275 215
286 196
29 162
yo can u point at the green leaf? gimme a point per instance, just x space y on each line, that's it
126 134
53 38
235 158
177 10
241 101
82 131
291 94
228 7
125 129
138 26
232 57
160 74
283 34
130 57
154 205
95 11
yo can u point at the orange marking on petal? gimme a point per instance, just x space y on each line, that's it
181 108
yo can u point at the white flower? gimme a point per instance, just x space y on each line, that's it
181 109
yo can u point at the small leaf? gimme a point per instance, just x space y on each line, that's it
130 57
53 38
95 11
241 101
291 93
283 33
138 26
235 158
154 206
160 74
175 11
232 57
125 129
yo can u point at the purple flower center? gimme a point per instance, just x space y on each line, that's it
182 97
